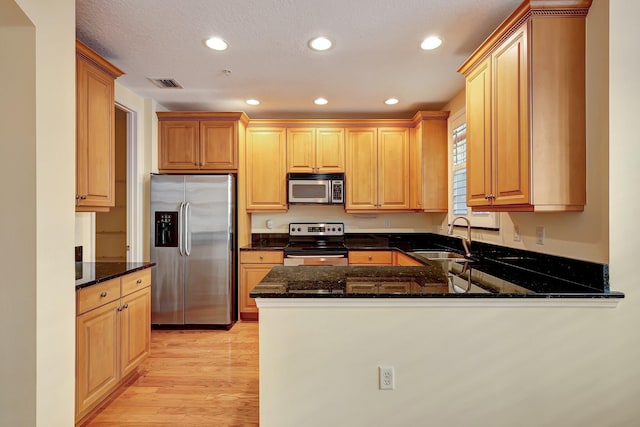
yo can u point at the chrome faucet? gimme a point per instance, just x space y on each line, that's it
466 241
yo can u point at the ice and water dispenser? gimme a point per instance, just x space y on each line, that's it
166 229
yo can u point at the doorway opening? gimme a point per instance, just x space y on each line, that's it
111 227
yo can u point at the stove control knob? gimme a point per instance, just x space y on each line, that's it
339 228
299 229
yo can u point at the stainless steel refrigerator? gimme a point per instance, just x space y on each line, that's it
192 244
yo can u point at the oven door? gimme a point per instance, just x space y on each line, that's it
331 260
309 191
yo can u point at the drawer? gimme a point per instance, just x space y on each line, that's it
135 281
261 257
371 257
96 295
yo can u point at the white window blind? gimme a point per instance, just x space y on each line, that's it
459 165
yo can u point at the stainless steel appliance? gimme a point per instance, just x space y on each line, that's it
315 188
192 244
316 244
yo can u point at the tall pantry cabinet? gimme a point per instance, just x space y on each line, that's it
95 130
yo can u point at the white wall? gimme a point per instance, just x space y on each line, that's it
37 106
354 223
470 366
581 235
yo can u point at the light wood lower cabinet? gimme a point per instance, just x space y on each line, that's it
113 336
404 260
370 257
254 265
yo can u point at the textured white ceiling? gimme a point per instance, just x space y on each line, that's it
376 52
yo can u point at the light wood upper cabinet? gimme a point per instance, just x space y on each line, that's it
178 145
429 162
525 89
266 171
195 142
95 130
361 173
315 150
393 168
377 171
478 100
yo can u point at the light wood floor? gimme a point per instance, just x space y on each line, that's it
192 378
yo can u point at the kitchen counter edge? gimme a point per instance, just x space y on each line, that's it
92 273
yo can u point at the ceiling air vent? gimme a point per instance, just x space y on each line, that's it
166 83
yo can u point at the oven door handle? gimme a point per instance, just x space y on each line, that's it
315 256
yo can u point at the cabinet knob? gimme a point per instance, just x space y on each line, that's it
77 196
370 257
139 281
103 294
83 197
125 306
119 308
195 163
261 257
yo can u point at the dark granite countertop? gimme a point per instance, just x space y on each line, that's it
428 281
494 271
90 273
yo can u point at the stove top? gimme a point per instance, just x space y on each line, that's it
317 238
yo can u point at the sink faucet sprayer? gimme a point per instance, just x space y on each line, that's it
466 241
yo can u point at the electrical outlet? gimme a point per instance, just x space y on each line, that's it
540 235
386 378
516 233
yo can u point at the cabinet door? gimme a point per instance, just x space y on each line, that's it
478 93
266 170
510 126
250 276
95 139
97 354
218 148
362 169
415 168
178 145
135 328
301 150
330 150
393 168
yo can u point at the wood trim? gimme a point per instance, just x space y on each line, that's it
95 59
522 13
346 123
203 115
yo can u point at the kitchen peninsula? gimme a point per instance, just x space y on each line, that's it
326 333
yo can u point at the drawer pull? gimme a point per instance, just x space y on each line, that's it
103 294
261 257
139 281
370 257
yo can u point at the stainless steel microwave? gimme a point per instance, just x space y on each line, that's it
316 188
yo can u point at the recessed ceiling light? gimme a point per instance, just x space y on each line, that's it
320 43
252 102
321 101
216 43
391 101
431 43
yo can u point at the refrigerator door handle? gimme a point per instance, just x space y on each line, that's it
187 232
180 228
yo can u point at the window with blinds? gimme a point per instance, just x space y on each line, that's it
459 169
458 203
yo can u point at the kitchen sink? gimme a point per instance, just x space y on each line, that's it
440 255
